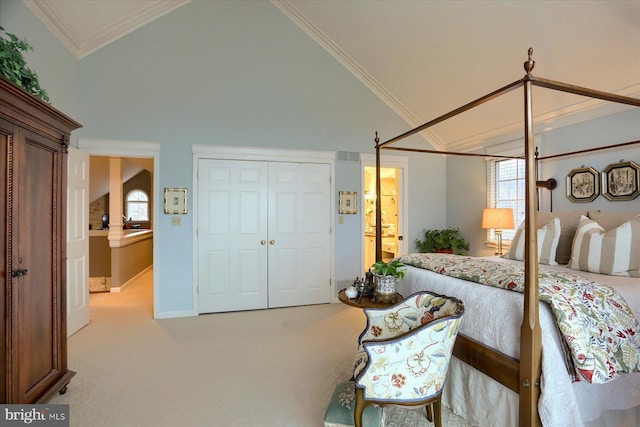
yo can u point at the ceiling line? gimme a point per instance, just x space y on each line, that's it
358 71
79 48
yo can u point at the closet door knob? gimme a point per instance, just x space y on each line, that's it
263 242
272 241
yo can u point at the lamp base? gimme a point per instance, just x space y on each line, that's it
499 234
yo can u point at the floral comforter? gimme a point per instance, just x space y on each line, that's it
599 329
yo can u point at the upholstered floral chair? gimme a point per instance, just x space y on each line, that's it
404 354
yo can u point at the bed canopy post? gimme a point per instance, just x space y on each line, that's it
378 203
530 332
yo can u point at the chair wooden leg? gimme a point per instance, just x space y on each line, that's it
437 413
359 408
429 413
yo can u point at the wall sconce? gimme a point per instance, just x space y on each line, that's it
498 218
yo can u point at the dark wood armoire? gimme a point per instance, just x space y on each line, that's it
34 138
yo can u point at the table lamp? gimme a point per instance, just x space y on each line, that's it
498 218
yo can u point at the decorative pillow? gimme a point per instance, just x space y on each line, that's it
615 252
548 238
569 221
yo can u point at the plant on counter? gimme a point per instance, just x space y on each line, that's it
14 67
448 240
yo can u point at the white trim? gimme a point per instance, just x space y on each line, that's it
402 163
120 148
262 154
118 289
81 45
222 152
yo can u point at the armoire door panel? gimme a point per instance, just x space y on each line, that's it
36 243
6 136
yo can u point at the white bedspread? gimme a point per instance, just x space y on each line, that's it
485 402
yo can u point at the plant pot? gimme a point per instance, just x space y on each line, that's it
385 290
444 251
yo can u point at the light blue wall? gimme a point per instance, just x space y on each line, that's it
615 129
225 73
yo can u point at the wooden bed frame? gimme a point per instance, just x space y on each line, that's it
522 376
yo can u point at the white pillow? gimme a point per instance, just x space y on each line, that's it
548 238
615 252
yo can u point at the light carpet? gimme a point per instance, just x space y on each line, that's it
273 367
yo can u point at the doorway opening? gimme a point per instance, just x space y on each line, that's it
139 237
393 203
120 201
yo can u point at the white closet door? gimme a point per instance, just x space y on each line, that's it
232 235
299 235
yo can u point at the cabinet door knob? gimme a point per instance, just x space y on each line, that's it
263 242
19 272
272 241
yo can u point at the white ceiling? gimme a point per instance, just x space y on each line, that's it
424 58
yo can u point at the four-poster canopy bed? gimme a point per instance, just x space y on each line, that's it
521 375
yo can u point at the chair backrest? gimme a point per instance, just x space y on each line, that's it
416 363
414 311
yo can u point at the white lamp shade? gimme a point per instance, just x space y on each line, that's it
501 218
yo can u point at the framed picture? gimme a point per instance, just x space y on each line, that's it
175 200
621 181
348 202
583 185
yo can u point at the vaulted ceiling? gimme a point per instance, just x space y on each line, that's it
424 58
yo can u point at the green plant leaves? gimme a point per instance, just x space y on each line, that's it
393 268
14 67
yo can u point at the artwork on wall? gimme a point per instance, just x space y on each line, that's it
348 202
175 200
583 184
621 181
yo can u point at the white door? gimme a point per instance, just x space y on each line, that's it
232 235
77 240
299 234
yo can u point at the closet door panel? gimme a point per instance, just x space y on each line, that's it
299 218
232 233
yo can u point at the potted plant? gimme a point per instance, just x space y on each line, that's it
448 240
14 67
387 275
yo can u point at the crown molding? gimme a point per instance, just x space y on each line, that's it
82 45
356 69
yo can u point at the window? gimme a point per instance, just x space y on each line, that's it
137 205
505 189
